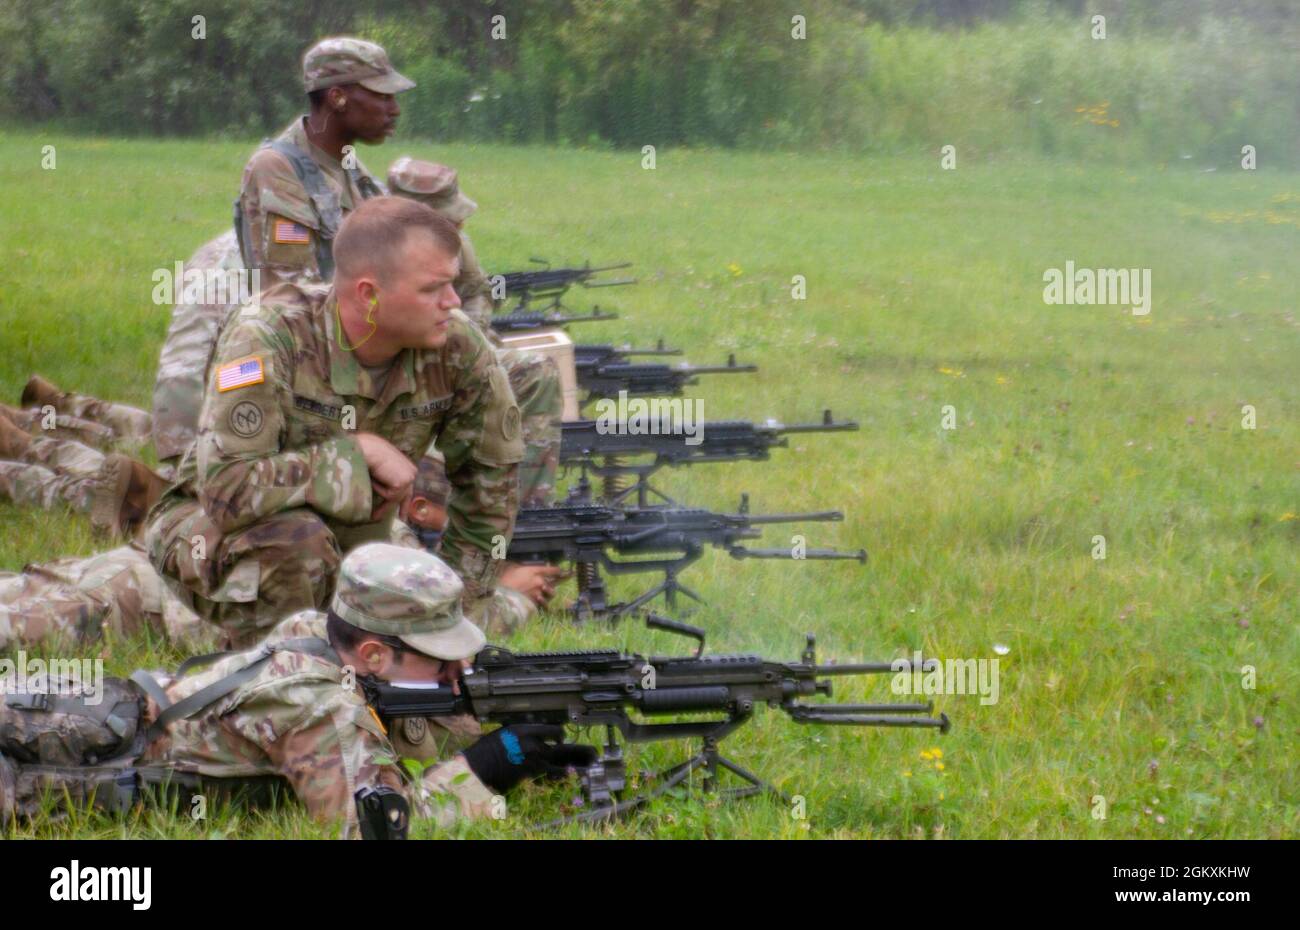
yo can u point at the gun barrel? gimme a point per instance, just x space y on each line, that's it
658 350
821 555
875 668
843 426
940 723
715 369
813 516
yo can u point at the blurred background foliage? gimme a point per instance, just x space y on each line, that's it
1172 78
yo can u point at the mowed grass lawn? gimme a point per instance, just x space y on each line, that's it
1120 679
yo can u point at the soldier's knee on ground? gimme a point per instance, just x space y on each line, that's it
283 564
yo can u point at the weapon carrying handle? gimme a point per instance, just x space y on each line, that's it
657 622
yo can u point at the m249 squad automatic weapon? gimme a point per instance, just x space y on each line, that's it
603 688
586 533
548 285
593 356
647 378
607 452
520 321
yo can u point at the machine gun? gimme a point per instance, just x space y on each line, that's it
583 532
593 356
519 321
610 379
600 687
594 447
549 285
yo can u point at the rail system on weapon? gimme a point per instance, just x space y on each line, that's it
608 454
647 378
585 533
599 688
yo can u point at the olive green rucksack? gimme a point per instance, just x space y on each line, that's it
60 742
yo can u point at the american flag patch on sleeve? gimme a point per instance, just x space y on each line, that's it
239 374
287 232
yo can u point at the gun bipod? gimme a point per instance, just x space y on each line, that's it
605 779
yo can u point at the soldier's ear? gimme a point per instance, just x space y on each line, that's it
371 655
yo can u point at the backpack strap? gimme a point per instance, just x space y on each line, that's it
208 695
119 716
328 210
365 183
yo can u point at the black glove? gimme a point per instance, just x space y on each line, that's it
507 756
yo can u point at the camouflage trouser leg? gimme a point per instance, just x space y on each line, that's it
51 424
37 486
536 383
130 425
247 581
66 456
83 598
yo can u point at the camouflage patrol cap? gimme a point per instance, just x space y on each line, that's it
407 593
431 184
345 60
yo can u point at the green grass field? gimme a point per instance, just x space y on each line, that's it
1121 678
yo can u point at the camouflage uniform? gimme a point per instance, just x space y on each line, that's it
282 222
38 422
45 471
275 487
81 599
294 711
183 362
53 471
280 227
533 377
107 424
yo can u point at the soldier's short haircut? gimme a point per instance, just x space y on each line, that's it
373 235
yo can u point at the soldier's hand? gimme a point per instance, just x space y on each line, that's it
391 473
535 582
507 756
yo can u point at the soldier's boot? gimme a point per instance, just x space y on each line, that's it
124 492
14 441
38 392
145 487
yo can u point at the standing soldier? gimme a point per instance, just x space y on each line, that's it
294 194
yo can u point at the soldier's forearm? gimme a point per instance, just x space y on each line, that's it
330 477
